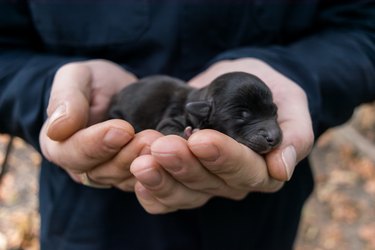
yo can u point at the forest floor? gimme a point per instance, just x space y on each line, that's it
340 214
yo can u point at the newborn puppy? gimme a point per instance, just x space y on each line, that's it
237 104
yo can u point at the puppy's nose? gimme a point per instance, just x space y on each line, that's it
272 136
270 140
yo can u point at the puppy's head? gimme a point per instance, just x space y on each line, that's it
240 105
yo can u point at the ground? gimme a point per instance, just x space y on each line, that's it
340 213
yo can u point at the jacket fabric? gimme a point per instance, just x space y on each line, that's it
327 47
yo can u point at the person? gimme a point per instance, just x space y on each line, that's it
102 186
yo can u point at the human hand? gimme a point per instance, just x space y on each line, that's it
74 136
180 174
293 113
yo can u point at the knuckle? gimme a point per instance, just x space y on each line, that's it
163 193
88 153
186 201
214 188
254 181
60 160
147 137
98 152
52 152
193 181
158 209
195 201
57 157
122 167
238 195
304 141
273 187
127 185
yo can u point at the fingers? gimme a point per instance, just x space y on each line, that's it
158 192
87 147
298 137
238 166
69 102
173 153
80 95
180 174
116 172
212 163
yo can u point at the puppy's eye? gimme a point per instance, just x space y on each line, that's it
245 114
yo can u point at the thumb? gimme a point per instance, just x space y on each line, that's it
68 108
298 139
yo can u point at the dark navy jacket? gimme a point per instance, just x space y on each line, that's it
327 48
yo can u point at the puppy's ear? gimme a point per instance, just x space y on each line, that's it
199 109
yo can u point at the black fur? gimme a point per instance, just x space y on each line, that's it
237 104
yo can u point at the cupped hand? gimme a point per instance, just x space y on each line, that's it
182 174
75 137
293 113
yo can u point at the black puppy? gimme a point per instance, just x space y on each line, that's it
237 104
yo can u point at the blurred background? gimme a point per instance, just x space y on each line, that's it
340 214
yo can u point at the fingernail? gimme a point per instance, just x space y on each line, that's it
289 157
148 176
59 112
116 138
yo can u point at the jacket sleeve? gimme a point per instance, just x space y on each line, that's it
334 64
26 74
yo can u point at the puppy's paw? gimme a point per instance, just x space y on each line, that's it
189 131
